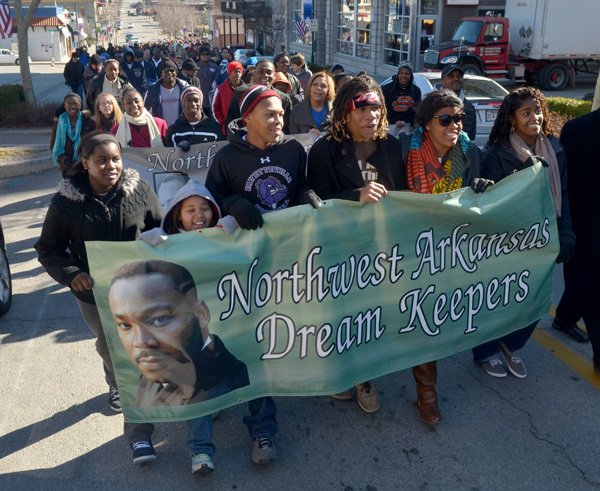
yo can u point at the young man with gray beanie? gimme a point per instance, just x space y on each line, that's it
193 126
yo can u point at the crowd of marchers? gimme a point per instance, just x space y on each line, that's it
157 97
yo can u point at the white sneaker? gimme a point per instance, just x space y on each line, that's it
202 464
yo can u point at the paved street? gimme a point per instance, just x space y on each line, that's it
56 431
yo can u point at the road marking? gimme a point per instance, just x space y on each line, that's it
572 359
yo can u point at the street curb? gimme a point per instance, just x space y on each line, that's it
24 167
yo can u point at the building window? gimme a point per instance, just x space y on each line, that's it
301 23
397 32
354 28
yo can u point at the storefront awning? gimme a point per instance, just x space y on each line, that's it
47 22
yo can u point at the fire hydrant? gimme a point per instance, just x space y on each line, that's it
52 61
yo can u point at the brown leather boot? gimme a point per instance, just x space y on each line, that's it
426 378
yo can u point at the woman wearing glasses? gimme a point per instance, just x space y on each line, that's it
107 111
440 158
522 136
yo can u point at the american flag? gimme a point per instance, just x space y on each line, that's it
301 28
6 27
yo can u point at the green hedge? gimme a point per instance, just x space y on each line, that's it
572 108
14 111
10 96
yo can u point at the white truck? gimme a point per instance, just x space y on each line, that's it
538 40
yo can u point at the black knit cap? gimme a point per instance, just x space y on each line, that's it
189 65
253 96
167 65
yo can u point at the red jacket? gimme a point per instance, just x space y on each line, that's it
220 105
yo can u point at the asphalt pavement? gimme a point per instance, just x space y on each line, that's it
56 431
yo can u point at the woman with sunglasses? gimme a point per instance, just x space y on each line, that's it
440 158
520 137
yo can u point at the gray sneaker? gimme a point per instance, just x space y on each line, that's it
514 362
263 450
494 367
202 464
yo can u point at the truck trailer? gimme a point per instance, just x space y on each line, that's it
543 41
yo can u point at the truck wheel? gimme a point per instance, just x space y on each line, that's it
553 77
471 69
5 284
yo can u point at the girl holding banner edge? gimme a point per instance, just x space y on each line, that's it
357 161
99 201
521 136
192 208
439 158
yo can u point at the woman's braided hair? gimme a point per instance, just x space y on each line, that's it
514 100
356 85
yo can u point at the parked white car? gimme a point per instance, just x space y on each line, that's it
8 57
485 94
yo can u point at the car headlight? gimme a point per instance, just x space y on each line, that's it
449 59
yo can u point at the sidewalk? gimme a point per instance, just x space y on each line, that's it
24 151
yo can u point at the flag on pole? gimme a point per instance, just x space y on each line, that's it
6 27
301 28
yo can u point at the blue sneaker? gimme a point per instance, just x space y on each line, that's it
142 452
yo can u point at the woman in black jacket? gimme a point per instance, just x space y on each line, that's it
313 114
99 202
357 161
522 136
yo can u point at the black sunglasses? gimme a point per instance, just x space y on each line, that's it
446 119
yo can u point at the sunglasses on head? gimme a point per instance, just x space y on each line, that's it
446 119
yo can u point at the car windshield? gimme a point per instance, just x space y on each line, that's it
469 30
479 88
484 88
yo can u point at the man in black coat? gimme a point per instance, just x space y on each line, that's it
73 74
580 298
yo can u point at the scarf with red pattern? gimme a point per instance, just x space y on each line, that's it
426 174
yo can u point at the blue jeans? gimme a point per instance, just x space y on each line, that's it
79 90
513 341
200 432
261 421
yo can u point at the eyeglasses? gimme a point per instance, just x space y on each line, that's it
169 70
446 119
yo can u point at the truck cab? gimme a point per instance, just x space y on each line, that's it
479 44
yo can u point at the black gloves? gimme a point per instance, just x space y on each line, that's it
311 198
244 212
184 145
567 248
479 184
67 166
